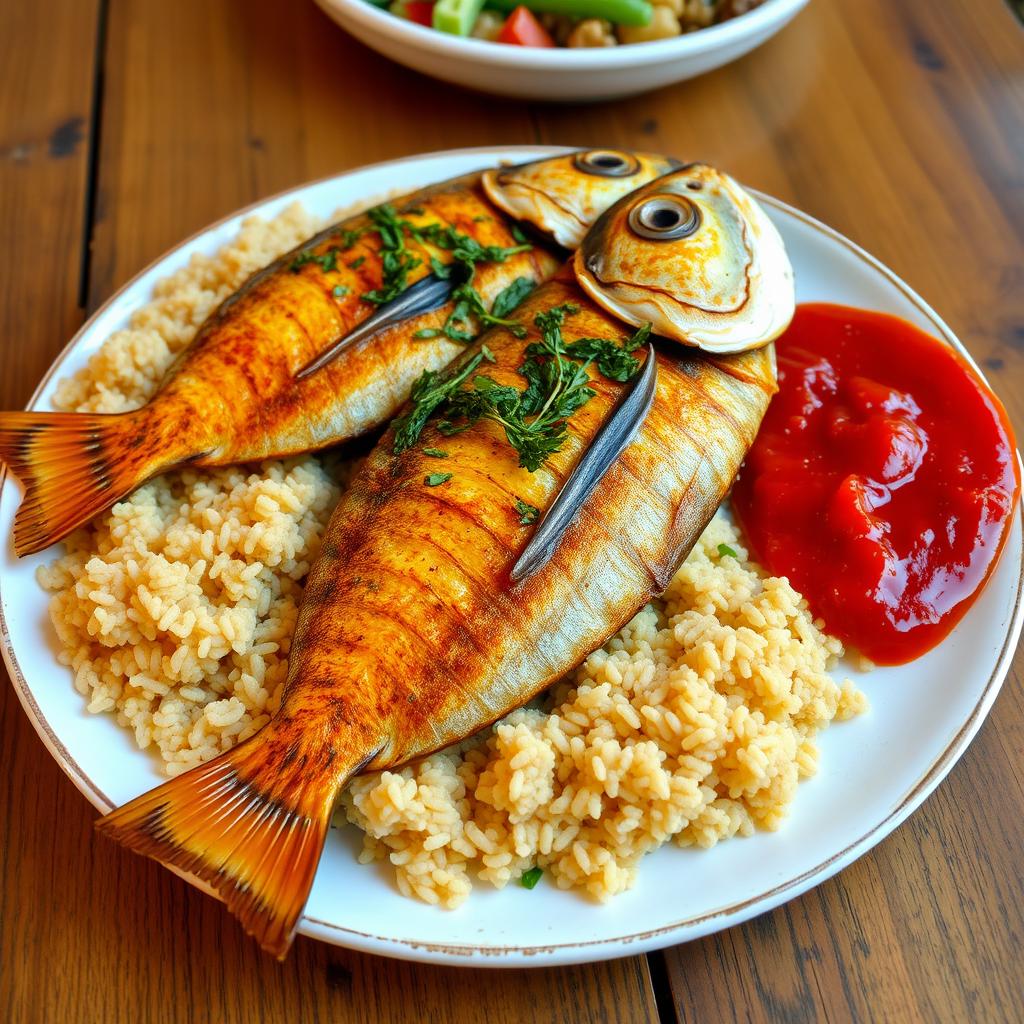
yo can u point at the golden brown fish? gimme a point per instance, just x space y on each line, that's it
233 395
411 634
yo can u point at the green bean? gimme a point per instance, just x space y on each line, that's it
619 12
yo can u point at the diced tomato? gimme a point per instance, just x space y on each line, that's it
521 28
420 11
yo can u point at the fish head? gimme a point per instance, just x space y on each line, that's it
564 195
693 254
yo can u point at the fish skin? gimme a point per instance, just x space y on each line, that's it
412 586
237 379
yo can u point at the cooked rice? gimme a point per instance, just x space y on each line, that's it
175 611
694 723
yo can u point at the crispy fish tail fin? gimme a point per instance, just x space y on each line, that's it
76 465
252 824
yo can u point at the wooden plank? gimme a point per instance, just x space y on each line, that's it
44 129
45 109
208 107
213 105
902 125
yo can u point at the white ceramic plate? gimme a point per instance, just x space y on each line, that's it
538 73
874 770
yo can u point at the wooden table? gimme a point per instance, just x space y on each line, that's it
126 125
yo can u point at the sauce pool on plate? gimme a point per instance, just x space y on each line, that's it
882 482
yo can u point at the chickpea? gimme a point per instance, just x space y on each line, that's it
663 25
487 25
591 32
560 26
697 13
675 6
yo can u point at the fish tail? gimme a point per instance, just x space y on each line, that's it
251 823
74 465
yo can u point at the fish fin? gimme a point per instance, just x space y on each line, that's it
251 823
74 466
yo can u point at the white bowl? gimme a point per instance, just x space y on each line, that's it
535 73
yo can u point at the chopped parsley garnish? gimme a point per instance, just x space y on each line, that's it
340 291
488 354
427 394
517 233
724 549
327 261
349 237
466 252
435 453
508 298
469 304
528 514
435 479
533 418
396 259
612 359
529 878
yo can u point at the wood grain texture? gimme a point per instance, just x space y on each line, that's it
45 108
902 125
212 105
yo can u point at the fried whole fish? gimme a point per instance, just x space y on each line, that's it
411 635
233 394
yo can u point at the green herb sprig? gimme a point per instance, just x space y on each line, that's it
466 253
613 360
528 514
396 258
529 878
327 261
428 393
534 418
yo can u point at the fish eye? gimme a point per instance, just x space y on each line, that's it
665 218
607 163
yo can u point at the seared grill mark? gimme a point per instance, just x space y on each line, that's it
450 608
431 496
483 584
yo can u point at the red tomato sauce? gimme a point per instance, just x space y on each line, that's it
883 480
